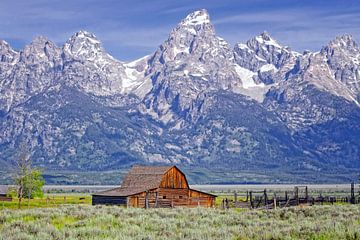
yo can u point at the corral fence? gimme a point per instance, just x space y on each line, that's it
298 196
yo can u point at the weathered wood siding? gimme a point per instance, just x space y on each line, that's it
201 199
109 200
174 179
3 198
172 197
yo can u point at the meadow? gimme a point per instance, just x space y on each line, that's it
111 222
48 201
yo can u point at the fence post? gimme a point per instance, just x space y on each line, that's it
352 198
265 199
297 195
235 197
251 200
275 202
306 194
247 195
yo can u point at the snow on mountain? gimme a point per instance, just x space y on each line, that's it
329 71
136 80
7 54
196 18
191 61
191 101
264 55
343 58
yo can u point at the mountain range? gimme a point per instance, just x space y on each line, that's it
258 108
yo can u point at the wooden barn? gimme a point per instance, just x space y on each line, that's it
154 186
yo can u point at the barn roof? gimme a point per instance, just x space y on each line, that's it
3 189
139 179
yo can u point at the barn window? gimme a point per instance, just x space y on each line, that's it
180 197
164 197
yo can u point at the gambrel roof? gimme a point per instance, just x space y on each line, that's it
139 179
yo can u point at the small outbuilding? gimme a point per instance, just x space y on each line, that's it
3 190
154 186
3 193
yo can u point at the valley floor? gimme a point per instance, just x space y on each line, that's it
104 222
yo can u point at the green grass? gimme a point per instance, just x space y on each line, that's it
105 222
47 201
61 222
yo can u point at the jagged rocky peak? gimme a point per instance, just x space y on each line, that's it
192 60
7 54
342 46
194 37
41 49
260 53
270 50
196 24
89 67
196 18
344 41
343 58
264 39
84 46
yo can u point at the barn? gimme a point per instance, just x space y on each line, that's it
3 190
154 186
3 193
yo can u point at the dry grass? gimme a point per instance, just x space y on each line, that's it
102 222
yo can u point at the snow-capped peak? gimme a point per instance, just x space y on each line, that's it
40 40
241 46
7 54
5 47
84 45
41 49
265 38
343 41
85 35
197 18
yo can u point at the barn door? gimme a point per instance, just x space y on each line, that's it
136 203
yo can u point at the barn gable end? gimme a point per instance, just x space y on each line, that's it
174 178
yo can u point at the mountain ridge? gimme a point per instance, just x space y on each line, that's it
195 101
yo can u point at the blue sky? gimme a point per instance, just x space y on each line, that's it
130 29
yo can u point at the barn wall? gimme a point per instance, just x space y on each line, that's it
174 179
201 199
170 197
109 200
4 198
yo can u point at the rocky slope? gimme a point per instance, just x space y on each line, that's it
195 101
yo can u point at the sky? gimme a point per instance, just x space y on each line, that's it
130 29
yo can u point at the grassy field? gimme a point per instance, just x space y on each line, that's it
48 201
102 222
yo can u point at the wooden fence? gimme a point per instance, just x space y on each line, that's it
300 195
